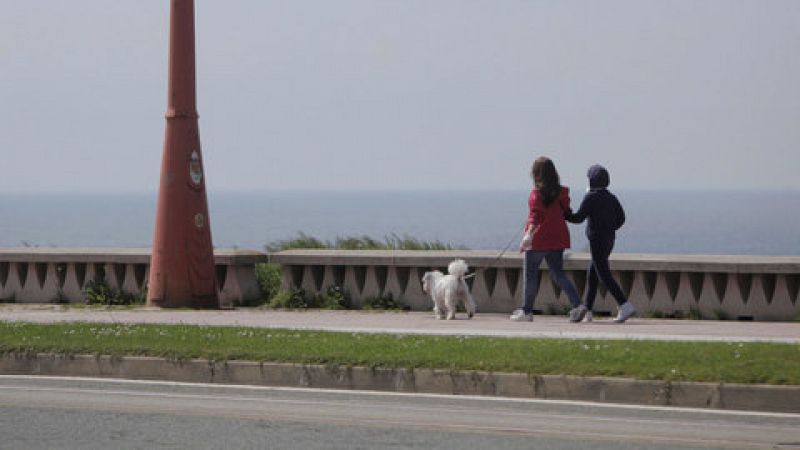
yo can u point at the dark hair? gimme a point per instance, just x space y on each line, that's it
545 179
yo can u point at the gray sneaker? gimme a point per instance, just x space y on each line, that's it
626 311
520 316
588 317
577 313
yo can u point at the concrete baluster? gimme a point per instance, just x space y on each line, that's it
684 301
393 284
737 293
548 299
503 297
413 295
308 283
372 285
709 303
5 293
117 278
29 289
481 292
784 304
228 290
354 281
74 282
659 295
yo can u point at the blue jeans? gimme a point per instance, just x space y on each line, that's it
555 262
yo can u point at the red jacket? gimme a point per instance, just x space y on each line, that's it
550 229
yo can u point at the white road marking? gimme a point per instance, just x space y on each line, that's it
348 392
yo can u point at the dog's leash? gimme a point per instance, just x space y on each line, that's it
505 249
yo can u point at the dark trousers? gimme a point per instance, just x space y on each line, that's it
599 270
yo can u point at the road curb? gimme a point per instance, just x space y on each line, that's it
769 398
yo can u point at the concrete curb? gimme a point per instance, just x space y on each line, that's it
784 399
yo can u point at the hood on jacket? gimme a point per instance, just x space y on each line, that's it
598 177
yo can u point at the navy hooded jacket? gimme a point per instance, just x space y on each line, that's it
602 209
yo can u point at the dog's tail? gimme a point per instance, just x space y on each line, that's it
458 268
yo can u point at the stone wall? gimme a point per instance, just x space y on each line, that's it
732 287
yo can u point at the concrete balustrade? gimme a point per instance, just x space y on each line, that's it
735 287
59 275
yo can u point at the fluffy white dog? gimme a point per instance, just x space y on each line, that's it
447 290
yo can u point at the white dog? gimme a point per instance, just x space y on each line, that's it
446 290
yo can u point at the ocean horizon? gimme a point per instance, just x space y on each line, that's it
663 222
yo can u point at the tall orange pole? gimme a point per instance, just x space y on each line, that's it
182 265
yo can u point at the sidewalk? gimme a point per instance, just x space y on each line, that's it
422 323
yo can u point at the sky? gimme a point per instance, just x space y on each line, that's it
406 94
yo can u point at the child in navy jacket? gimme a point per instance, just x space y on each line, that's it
605 216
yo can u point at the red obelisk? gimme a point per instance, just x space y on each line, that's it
182 265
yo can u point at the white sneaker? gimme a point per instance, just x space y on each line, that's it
626 311
577 313
519 316
588 316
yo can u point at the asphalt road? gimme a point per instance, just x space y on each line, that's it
45 413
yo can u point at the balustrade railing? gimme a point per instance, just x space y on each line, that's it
60 275
732 287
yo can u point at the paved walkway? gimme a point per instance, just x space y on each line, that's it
422 323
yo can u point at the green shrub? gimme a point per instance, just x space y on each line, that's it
140 298
301 241
98 292
358 243
364 242
269 282
293 298
395 242
335 297
386 302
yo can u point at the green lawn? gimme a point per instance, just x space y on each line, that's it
685 361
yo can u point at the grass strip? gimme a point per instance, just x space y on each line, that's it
769 363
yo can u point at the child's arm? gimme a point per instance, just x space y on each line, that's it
582 213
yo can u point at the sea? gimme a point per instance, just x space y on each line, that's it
665 222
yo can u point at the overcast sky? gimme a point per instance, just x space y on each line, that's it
406 94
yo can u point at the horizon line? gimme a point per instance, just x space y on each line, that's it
391 190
